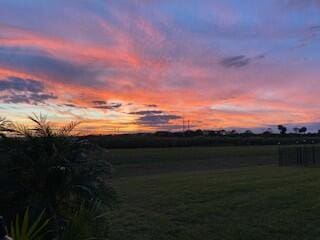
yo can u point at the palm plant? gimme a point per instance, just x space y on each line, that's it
51 169
27 230
88 222
4 126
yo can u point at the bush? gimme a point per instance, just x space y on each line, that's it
28 230
50 169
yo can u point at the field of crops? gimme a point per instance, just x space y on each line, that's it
229 198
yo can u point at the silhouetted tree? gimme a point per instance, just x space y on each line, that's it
267 132
296 130
248 133
222 132
282 129
199 132
303 130
47 168
233 132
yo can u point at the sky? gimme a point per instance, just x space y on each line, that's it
149 65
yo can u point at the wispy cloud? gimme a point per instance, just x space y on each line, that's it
106 61
236 61
155 120
19 84
106 105
147 112
18 90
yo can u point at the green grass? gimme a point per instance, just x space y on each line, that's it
265 202
162 160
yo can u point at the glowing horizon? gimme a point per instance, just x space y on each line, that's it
145 65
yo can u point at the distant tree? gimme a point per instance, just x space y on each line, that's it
163 133
190 133
248 133
267 132
212 133
233 132
296 130
222 132
199 132
282 129
303 130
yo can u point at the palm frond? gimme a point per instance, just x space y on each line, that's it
42 126
68 129
89 222
28 230
57 173
4 124
21 130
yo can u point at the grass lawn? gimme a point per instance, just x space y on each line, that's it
133 162
264 202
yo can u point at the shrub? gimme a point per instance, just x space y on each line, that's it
28 230
50 169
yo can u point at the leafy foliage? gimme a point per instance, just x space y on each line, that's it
27 230
47 168
4 126
89 222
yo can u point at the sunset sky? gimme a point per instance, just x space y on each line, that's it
145 65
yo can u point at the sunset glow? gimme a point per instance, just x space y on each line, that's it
146 65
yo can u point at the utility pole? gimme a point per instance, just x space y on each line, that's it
182 124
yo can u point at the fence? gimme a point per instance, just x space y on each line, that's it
299 155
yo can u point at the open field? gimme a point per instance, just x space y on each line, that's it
159 160
248 203
155 141
180 202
